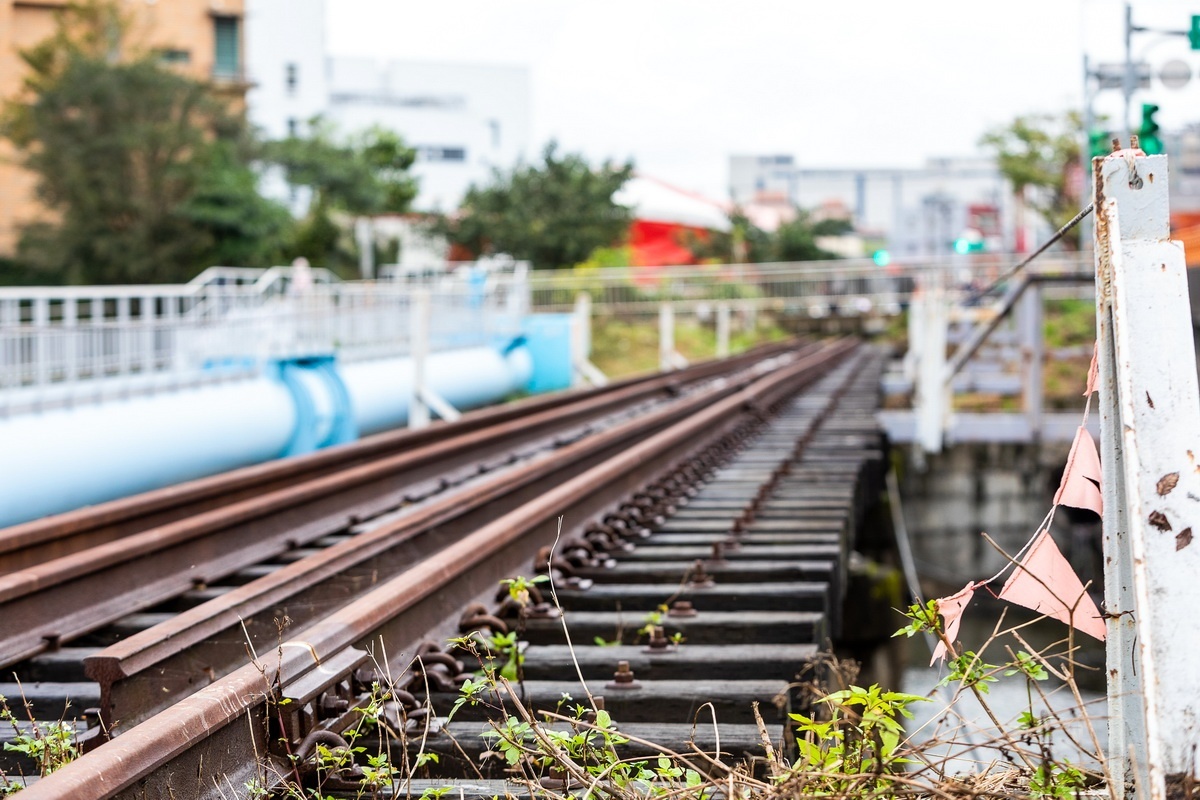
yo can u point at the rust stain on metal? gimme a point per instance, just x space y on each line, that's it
1166 483
1160 521
1183 539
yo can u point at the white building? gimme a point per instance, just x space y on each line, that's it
918 211
463 120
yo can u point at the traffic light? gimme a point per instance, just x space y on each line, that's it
1099 143
1194 32
882 258
1151 143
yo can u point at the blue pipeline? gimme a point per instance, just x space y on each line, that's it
64 459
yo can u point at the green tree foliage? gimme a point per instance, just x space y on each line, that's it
145 172
1040 152
365 175
746 242
552 214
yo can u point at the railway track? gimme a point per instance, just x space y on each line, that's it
733 501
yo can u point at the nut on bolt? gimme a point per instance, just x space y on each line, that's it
659 643
682 608
700 579
623 678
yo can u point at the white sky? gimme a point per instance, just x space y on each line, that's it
679 85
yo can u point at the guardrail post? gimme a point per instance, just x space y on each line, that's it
423 399
418 411
668 357
1150 433
1033 357
723 315
583 371
932 395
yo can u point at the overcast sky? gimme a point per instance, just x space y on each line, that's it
679 85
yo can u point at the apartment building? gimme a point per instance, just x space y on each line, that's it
201 38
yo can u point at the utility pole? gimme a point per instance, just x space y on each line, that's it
1130 79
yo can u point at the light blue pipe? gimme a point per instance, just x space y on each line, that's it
64 459
380 390
68 458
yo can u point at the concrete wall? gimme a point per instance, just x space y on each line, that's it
1005 490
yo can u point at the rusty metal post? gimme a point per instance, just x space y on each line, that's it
1150 432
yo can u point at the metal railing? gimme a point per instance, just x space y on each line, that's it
813 288
68 344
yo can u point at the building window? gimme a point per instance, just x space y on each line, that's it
175 56
428 153
292 127
228 61
291 75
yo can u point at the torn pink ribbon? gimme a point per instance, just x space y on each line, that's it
1044 582
1093 371
1080 482
951 608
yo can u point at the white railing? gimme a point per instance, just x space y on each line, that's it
816 288
69 344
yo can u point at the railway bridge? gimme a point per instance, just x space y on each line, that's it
644 567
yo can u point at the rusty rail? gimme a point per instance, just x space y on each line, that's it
48 604
215 738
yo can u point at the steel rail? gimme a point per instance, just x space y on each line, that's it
38 541
153 668
219 737
49 604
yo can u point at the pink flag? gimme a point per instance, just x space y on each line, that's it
1093 371
1083 467
1044 582
951 608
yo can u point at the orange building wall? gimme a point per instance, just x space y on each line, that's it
157 24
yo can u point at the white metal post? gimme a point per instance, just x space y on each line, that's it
365 238
932 395
1033 356
124 335
666 336
149 321
1150 431
418 411
668 357
41 340
70 319
723 320
583 371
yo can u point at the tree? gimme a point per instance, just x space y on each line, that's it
365 175
1041 152
796 241
746 242
146 173
552 214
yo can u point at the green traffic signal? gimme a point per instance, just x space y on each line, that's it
1194 32
1151 143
